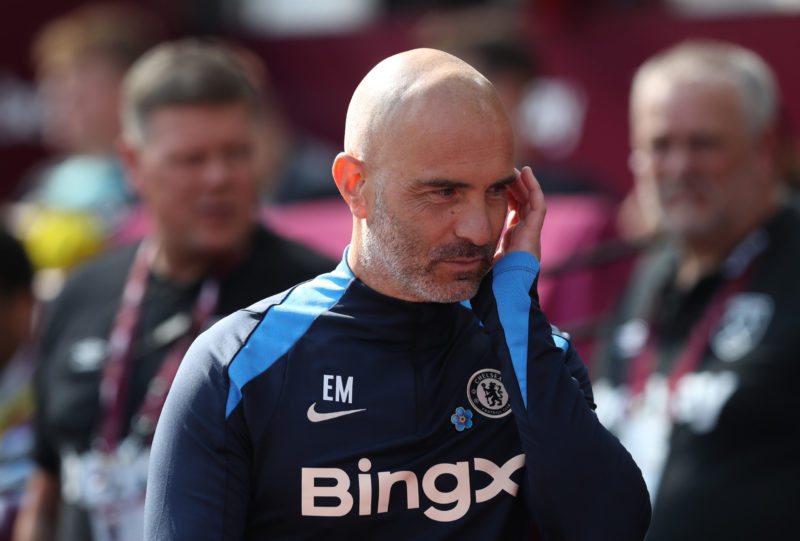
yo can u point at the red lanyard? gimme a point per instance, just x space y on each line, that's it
116 381
737 272
645 363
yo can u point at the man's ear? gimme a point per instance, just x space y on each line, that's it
348 174
130 157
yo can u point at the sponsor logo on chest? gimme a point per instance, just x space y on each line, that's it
326 492
445 492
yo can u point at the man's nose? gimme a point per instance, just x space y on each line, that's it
474 224
677 161
216 171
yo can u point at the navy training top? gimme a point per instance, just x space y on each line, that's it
333 410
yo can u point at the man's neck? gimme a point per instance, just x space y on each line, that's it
694 265
183 266
180 267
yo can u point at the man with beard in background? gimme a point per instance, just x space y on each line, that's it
698 374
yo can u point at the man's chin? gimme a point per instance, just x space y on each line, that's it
220 246
447 287
468 283
459 290
691 227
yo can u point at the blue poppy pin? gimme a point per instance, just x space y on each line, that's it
462 419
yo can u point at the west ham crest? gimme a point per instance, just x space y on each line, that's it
487 394
743 325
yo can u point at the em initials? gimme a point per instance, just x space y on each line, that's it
344 390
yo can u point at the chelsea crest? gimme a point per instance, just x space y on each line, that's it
487 394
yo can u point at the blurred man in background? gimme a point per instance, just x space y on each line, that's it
699 373
111 342
16 377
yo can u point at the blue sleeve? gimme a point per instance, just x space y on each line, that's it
198 484
582 483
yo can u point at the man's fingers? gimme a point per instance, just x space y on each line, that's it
537 195
533 191
518 192
526 215
535 205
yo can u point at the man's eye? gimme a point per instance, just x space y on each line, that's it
660 146
239 153
188 160
444 192
703 144
499 189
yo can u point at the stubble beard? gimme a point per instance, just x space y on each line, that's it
688 220
390 249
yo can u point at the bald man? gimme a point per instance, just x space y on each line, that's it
416 391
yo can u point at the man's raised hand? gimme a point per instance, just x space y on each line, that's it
526 210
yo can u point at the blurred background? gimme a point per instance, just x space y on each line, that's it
562 67
582 55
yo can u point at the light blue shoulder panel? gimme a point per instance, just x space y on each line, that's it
283 325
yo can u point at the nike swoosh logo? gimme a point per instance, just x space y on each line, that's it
314 416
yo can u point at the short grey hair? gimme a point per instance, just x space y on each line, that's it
716 61
184 72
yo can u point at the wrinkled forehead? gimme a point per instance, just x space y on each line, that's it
661 85
690 103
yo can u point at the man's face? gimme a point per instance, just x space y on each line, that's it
692 145
196 173
438 208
